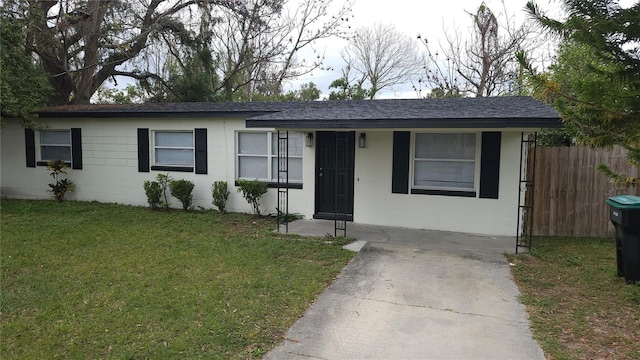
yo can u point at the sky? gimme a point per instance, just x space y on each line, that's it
431 19
428 18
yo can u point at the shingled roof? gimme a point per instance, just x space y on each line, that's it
190 109
491 112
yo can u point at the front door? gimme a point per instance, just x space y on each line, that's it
335 157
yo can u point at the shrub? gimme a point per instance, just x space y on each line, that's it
284 218
220 194
61 186
163 181
154 193
252 191
181 189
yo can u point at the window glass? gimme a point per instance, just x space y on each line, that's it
173 148
257 154
252 143
174 156
443 174
445 162
174 139
446 146
55 137
252 167
55 153
295 169
296 142
55 145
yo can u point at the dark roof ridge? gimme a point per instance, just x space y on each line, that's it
507 111
495 112
240 106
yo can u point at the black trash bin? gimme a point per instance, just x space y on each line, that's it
624 212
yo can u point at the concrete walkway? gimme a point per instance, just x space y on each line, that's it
414 294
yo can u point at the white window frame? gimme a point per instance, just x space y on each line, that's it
476 162
269 156
41 144
155 147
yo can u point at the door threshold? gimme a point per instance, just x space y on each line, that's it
332 216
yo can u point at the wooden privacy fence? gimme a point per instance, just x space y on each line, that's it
570 192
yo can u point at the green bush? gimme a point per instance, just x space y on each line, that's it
220 194
181 189
252 191
154 193
61 186
164 181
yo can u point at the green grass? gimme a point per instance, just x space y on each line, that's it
579 308
92 280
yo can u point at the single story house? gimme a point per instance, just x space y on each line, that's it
442 164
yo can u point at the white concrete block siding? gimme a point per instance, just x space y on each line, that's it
110 164
375 204
110 174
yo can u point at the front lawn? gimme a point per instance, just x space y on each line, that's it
92 280
578 306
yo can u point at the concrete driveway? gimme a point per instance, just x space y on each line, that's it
415 294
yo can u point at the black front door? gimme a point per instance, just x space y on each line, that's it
335 157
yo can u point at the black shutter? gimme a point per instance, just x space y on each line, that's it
201 151
400 170
76 148
143 150
490 165
30 147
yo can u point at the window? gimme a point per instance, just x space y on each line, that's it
445 162
258 156
173 148
165 150
55 145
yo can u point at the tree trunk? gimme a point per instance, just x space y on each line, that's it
91 29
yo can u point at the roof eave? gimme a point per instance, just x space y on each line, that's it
529 123
151 114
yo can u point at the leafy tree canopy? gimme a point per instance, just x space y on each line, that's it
81 44
307 92
347 91
176 50
24 87
442 93
135 94
595 83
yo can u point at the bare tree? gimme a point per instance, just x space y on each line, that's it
254 51
260 50
382 57
482 65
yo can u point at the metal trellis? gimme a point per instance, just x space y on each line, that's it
283 180
526 188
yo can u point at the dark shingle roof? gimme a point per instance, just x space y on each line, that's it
168 109
491 112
